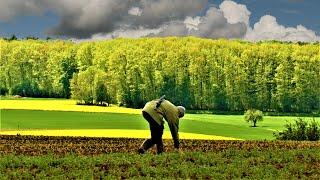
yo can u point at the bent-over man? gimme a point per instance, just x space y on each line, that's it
154 112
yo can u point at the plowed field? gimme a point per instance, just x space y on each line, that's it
40 145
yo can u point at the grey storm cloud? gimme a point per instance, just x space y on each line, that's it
172 29
212 25
157 12
12 8
83 18
215 25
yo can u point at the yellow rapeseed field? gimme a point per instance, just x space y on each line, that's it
125 133
61 105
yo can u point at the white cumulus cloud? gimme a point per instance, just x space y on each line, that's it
269 29
135 11
235 12
192 23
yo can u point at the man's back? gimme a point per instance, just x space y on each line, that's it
166 110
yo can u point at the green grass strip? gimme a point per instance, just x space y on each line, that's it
228 164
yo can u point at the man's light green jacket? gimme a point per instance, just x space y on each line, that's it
169 112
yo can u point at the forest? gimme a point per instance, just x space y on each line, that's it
201 74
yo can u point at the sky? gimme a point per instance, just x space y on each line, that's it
253 20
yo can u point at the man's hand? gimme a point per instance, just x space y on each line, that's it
160 101
176 150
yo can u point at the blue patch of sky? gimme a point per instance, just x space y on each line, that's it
29 25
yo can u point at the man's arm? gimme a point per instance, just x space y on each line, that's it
162 98
174 128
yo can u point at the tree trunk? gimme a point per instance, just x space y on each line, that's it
254 123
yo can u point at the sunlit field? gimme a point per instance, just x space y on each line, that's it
56 117
123 133
60 105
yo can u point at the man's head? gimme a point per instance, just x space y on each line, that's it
182 110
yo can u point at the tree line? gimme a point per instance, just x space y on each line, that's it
227 75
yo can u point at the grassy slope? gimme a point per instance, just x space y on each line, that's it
34 119
228 164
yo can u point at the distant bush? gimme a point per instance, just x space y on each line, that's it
300 131
253 115
26 89
3 91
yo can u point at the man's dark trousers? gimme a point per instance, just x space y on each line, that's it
156 135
